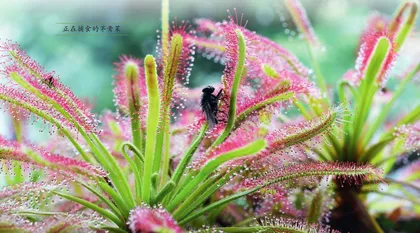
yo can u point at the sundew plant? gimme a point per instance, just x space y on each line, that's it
158 164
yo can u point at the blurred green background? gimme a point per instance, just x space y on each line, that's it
85 63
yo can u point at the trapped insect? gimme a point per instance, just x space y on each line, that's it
209 104
49 81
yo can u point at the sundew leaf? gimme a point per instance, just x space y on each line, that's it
400 26
10 150
170 72
13 223
303 132
146 219
345 172
27 103
71 223
53 222
27 189
130 80
374 63
302 22
260 103
45 85
315 208
264 50
233 75
153 117
103 212
211 166
275 224
130 95
379 60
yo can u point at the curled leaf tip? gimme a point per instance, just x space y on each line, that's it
299 16
376 57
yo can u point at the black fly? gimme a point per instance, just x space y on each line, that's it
209 105
49 81
108 181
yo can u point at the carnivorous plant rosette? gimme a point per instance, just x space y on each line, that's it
159 164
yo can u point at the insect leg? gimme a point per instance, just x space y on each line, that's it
219 95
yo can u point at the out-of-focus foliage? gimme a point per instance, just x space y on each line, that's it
83 61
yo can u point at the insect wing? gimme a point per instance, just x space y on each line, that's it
208 111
